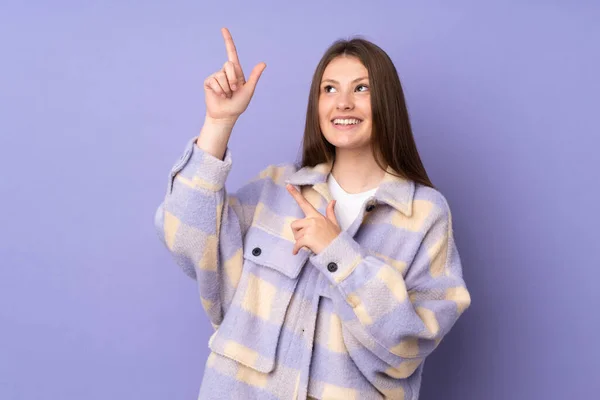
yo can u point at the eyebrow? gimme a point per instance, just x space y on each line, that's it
334 81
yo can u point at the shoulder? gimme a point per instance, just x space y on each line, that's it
277 173
272 175
430 203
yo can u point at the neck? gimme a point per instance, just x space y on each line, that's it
356 170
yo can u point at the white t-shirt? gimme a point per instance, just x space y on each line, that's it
347 205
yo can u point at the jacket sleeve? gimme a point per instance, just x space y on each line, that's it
203 226
396 321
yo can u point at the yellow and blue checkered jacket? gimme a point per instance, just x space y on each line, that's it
355 321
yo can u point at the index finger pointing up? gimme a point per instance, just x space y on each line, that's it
231 51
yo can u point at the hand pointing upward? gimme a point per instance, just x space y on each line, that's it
227 93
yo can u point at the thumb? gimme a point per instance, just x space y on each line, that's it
330 213
255 76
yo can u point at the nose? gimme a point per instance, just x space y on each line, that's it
345 101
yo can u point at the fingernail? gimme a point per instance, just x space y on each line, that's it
233 87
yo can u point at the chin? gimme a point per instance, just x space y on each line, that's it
350 139
349 144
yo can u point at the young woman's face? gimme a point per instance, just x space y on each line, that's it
345 104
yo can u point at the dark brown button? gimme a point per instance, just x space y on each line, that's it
370 207
332 267
256 251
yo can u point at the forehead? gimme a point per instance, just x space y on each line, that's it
345 68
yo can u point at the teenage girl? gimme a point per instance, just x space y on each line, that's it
333 278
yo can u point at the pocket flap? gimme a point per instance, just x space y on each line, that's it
265 248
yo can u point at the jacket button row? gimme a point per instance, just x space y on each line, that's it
332 267
256 251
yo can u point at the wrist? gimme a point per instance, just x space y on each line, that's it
215 135
220 124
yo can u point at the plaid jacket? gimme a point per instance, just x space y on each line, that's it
355 321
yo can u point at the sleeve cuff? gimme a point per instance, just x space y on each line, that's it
339 259
201 169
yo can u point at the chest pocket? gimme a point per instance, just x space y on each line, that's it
250 331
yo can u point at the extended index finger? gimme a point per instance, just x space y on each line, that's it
231 50
302 202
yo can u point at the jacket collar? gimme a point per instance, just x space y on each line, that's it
394 191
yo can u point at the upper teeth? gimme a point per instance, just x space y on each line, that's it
351 121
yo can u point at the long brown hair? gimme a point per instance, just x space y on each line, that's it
392 136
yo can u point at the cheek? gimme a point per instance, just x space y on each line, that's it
365 106
323 109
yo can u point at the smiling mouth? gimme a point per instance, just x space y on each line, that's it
346 122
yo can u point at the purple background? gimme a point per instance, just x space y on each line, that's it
98 100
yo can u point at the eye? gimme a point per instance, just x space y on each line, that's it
365 87
327 88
